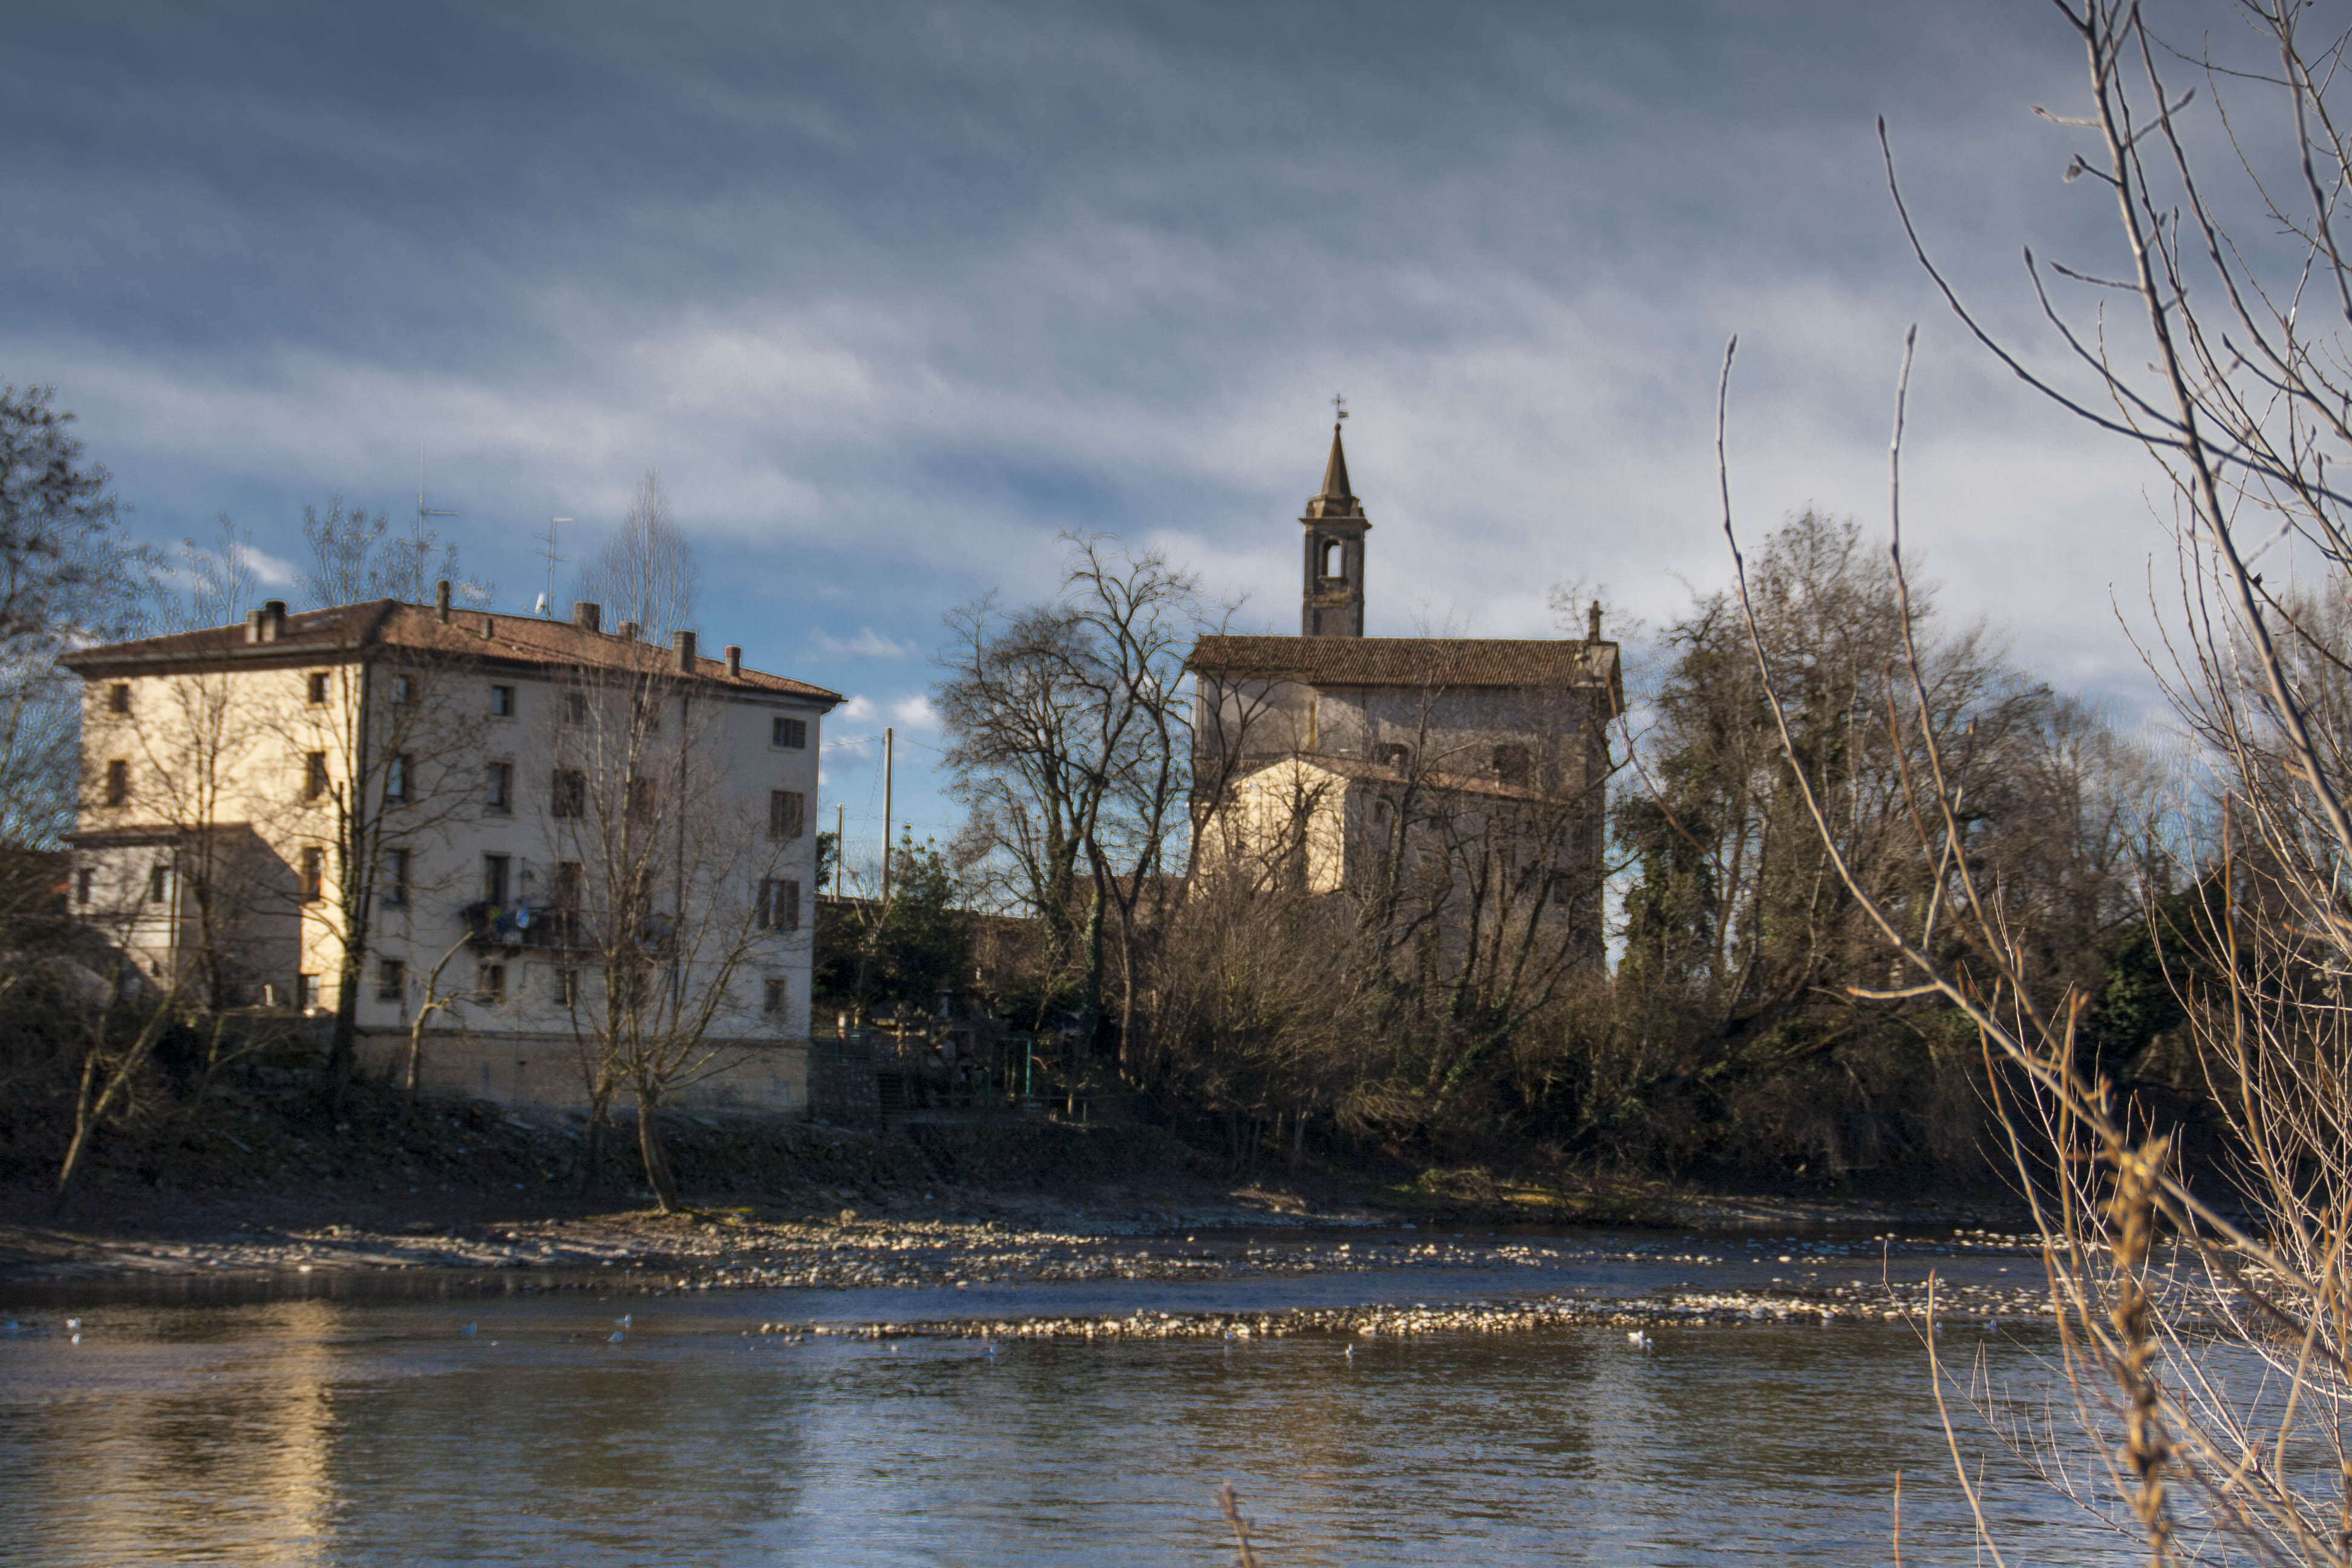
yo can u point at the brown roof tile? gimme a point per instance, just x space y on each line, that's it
317 635
1441 662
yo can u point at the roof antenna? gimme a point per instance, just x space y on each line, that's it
424 511
547 539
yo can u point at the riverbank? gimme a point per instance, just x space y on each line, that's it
956 1236
267 1181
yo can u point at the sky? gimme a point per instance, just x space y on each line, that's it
894 295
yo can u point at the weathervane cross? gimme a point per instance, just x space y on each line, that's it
1338 408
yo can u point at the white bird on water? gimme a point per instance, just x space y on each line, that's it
623 1320
1637 1339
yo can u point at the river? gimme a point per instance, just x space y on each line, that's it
424 1417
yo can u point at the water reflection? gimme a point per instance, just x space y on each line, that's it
337 1432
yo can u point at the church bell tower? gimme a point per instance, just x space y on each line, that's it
1333 605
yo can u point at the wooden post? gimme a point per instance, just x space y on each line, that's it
890 769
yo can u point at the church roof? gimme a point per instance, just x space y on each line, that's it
1426 662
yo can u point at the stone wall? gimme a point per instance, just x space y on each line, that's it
544 1071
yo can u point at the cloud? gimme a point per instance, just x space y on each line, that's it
867 643
265 567
895 297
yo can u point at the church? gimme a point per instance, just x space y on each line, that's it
1466 775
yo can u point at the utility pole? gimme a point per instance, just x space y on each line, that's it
840 843
890 769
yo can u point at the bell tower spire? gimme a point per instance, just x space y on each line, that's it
1333 602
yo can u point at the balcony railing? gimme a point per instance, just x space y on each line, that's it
524 924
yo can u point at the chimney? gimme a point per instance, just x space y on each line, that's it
684 641
441 598
587 617
734 662
273 619
1592 623
490 627
253 625
628 630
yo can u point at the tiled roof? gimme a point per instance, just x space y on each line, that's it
1428 662
317 635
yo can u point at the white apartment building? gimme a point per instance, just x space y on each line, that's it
519 829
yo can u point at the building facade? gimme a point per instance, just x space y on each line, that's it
1333 758
516 852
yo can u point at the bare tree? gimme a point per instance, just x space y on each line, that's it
354 556
671 890
646 575
673 885
68 579
1071 743
2229 373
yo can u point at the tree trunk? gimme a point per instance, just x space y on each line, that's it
592 1160
89 1108
342 1046
649 1149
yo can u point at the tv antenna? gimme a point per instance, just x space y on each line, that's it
547 600
424 511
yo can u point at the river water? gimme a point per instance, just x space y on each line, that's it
409 1418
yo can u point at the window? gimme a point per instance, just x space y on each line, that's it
391 980
571 883
117 784
575 708
395 877
119 699
1511 764
395 781
314 775
1394 756
494 877
314 874
490 983
159 884
306 992
499 794
567 987
789 735
570 795
774 1002
780 904
641 800
787 810
1335 558
318 688
645 713
502 702
403 688
83 879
